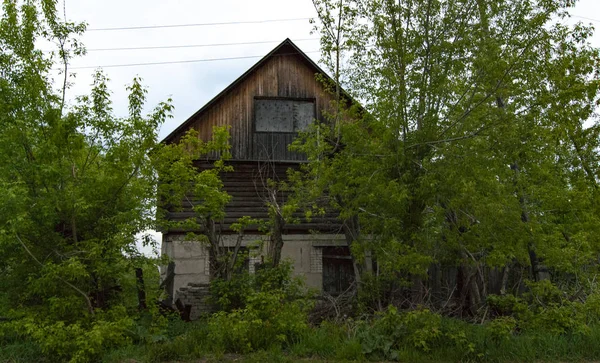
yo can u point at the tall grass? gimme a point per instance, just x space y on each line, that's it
331 342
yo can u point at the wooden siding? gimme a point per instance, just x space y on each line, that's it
285 74
246 185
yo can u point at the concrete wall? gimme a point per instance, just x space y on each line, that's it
192 260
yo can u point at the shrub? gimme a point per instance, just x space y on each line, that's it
390 331
592 308
544 308
233 294
505 305
80 342
501 328
267 320
270 310
228 295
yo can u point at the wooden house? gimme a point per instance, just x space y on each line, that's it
265 108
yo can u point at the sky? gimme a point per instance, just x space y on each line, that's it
192 84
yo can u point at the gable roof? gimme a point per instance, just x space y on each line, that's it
287 47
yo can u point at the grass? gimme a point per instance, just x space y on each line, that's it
17 352
188 342
328 341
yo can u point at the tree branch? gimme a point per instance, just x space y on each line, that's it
87 299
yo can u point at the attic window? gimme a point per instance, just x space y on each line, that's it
283 115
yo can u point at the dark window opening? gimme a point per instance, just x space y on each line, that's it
242 264
283 115
338 272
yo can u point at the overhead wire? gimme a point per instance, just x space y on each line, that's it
182 61
185 45
238 22
193 45
197 24
586 18
204 45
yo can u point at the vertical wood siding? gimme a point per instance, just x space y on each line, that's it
283 75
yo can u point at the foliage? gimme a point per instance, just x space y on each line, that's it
502 327
228 295
258 311
543 308
79 342
476 144
77 192
391 330
186 185
181 181
460 341
267 320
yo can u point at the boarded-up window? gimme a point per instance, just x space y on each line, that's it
338 272
277 115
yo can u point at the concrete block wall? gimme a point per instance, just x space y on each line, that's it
192 267
196 295
191 260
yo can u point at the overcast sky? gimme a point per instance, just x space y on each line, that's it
191 85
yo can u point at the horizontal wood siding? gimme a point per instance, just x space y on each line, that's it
284 75
246 185
274 146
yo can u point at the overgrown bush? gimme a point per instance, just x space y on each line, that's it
228 295
385 335
266 321
501 328
544 307
79 341
259 311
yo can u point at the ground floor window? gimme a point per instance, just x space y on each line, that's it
338 272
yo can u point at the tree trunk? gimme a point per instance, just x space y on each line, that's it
233 258
351 232
276 240
141 290
505 273
469 292
215 255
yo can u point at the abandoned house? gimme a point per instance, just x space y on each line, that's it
265 108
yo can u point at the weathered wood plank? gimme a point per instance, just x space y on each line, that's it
284 75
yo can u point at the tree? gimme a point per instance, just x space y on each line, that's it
77 187
479 144
186 186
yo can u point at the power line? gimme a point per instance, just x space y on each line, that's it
585 18
196 24
193 45
181 61
240 22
